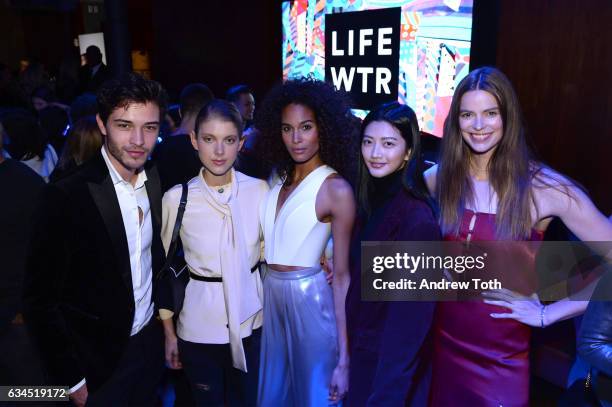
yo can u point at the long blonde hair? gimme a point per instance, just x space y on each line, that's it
511 168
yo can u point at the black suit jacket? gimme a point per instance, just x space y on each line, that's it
79 298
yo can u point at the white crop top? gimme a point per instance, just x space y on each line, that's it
296 238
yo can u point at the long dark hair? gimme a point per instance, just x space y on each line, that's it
337 127
405 121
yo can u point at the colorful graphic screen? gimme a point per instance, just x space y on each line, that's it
434 48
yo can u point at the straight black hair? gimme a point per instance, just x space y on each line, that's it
403 119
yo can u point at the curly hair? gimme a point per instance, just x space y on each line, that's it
337 128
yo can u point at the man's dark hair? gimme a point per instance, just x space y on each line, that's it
233 94
193 98
130 88
93 55
93 50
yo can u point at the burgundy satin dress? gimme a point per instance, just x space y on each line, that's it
479 360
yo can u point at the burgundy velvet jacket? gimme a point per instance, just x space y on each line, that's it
389 341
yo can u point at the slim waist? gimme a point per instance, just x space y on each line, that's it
292 275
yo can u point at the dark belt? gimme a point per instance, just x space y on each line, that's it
219 279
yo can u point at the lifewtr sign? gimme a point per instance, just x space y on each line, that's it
362 54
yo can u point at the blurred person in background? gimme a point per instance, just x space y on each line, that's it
94 73
242 97
84 105
54 121
44 96
83 142
10 92
176 159
33 76
20 186
28 142
595 339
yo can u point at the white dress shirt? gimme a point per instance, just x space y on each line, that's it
132 200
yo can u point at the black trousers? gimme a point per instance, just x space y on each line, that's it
214 381
137 376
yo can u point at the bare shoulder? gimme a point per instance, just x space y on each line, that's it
337 188
335 199
545 178
430 178
554 192
556 195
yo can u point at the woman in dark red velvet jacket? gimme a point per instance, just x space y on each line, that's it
389 341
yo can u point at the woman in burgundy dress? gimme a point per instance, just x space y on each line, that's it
490 187
390 345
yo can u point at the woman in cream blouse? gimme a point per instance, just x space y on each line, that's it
218 330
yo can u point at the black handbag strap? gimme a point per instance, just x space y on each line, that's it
176 229
178 222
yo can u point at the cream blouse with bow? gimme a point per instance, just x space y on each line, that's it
221 238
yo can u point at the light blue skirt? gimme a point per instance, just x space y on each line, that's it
299 344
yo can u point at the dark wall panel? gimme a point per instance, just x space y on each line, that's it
557 54
220 43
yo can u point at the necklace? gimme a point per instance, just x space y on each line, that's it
221 188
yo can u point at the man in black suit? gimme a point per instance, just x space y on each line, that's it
94 73
95 251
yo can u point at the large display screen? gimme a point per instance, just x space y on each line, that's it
434 49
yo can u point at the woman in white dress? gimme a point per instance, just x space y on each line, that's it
308 135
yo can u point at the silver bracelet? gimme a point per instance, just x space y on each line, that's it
542 312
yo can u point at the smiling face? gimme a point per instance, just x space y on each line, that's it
480 122
300 133
218 142
131 133
383 149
